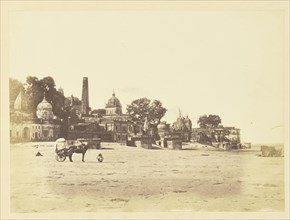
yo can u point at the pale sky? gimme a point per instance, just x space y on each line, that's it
230 63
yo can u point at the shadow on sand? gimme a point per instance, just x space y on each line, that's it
106 148
156 148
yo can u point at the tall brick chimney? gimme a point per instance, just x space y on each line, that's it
85 97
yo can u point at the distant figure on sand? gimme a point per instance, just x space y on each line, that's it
38 154
100 158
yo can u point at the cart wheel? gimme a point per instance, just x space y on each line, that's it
60 157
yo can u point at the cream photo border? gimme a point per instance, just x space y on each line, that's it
8 7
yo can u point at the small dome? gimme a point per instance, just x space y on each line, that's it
113 102
44 110
44 105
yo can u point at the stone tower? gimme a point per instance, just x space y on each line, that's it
85 97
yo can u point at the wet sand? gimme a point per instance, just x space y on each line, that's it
136 179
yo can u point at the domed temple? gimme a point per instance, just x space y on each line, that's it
113 107
115 122
109 124
44 110
27 127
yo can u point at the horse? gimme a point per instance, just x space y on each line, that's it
68 152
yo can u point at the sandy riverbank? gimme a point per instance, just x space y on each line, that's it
133 179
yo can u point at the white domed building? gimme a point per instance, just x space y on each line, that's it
113 106
42 128
118 125
44 110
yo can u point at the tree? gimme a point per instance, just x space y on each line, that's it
34 92
72 100
143 108
37 89
156 112
48 82
54 97
205 121
214 120
57 100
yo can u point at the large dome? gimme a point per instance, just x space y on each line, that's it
113 102
44 110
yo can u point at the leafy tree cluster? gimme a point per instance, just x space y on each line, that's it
74 113
211 121
38 89
69 101
143 108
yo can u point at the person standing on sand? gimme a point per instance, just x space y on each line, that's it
38 154
100 157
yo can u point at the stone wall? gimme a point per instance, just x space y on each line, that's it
174 144
142 141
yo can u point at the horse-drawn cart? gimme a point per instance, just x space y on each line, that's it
64 148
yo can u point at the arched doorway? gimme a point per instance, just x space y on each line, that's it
26 133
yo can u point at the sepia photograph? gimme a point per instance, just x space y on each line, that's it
144 109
